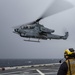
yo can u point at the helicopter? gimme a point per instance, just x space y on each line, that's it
37 31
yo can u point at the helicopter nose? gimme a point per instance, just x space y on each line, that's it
16 30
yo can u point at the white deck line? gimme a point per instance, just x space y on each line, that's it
40 72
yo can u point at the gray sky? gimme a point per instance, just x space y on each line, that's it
17 12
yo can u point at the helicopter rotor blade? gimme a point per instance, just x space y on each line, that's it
57 6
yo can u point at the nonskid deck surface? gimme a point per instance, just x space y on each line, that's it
45 69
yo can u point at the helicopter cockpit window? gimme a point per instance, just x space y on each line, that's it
24 27
30 27
21 27
27 27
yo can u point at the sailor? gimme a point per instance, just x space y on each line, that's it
68 66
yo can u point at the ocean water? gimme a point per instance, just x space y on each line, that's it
23 62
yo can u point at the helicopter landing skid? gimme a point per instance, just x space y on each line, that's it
31 40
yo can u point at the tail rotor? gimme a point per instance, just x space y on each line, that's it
66 35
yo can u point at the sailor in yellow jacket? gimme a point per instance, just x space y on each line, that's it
68 66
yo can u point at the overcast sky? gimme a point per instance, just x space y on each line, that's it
17 12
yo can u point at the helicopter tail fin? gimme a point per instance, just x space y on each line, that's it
66 35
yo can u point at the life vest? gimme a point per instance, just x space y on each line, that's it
71 66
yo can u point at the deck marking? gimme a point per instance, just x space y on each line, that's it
40 72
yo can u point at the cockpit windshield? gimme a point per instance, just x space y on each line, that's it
27 27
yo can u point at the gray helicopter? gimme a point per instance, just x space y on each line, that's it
37 31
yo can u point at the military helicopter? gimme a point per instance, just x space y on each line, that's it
37 31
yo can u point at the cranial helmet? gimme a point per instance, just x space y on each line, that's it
69 51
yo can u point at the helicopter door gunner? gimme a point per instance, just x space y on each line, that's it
68 67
